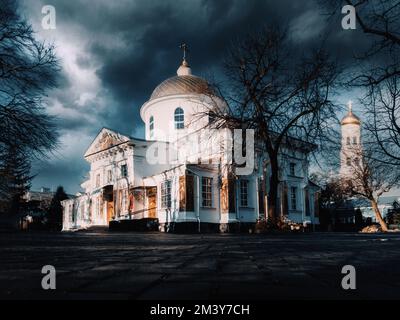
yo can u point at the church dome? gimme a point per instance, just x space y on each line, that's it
183 83
350 118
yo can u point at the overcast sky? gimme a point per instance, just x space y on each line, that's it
114 53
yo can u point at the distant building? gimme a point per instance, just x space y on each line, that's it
385 205
351 143
42 197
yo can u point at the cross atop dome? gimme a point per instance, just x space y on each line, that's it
350 104
184 69
350 118
185 49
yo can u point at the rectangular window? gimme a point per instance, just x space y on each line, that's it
97 180
354 140
124 171
166 194
292 169
293 198
244 193
109 176
206 192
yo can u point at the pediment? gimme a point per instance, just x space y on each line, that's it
105 140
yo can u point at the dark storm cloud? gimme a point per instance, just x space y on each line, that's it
152 37
116 52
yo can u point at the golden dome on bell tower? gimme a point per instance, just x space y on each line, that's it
351 118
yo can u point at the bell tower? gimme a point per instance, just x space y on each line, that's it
351 143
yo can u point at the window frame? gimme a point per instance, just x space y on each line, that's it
207 192
179 119
165 194
244 193
124 170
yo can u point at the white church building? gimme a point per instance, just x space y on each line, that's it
191 188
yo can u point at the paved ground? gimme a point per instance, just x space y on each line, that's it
97 265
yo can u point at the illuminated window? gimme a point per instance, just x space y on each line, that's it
179 119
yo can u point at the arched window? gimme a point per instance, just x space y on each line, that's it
179 118
151 127
348 141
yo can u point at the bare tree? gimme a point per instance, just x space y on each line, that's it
370 178
28 68
383 114
379 76
380 22
284 97
377 70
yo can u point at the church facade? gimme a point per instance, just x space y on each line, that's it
178 177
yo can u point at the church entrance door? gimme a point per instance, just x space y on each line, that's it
108 195
110 210
152 202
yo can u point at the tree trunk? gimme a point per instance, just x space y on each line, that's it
379 216
273 189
